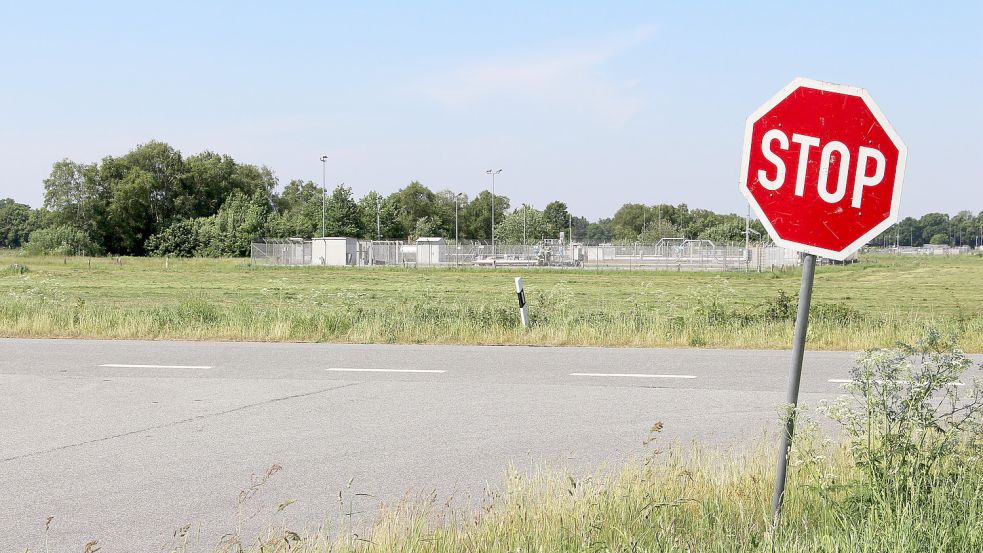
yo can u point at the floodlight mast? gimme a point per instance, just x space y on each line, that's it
493 172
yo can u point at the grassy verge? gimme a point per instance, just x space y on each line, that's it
875 303
682 500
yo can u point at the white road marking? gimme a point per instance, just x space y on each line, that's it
848 381
128 366
437 371
635 375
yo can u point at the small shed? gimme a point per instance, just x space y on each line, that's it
430 251
335 251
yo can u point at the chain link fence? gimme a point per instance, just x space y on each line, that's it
672 254
287 251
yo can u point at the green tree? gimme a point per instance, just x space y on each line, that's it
166 170
17 221
580 225
415 202
933 225
629 222
297 211
523 223
208 180
229 232
61 240
388 217
129 215
476 216
76 196
963 225
343 217
599 232
182 239
557 219
726 230
425 226
657 230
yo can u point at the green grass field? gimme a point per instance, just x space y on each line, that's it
872 303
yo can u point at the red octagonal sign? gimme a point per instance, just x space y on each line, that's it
822 168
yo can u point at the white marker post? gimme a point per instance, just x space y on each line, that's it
521 294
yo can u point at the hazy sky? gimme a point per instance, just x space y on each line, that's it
597 104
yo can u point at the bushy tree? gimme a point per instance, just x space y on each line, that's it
229 232
209 179
163 171
425 227
178 240
476 219
389 226
629 222
297 211
557 219
600 232
524 223
76 196
343 217
17 221
130 215
414 202
61 240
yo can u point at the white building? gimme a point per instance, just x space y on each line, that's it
430 251
336 251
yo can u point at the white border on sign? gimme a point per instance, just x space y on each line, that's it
884 123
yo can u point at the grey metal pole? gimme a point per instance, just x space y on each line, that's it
493 217
794 377
324 190
747 240
378 223
525 208
493 172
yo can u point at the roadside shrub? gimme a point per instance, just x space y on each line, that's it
836 313
61 240
914 423
15 269
780 308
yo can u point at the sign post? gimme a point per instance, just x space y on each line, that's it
822 168
794 377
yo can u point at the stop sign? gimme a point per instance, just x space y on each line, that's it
822 168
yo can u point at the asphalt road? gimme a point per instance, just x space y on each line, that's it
126 442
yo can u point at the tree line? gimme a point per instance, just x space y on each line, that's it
155 201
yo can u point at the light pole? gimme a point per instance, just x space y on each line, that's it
525 209
378 226
324 189
493 172
457 207
457 237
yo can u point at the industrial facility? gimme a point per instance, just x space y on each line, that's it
676 254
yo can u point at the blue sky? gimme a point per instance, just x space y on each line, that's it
596 104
